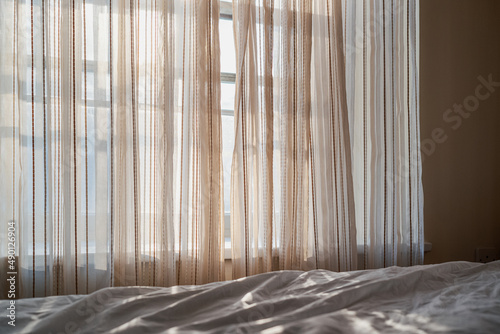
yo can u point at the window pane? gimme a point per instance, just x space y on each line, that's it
227 54
227 96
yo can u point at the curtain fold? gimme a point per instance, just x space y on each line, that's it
382 79
110 144
291 200
326 168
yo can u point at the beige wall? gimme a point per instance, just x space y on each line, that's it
459 41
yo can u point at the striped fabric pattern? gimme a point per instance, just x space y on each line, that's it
326 168
292 186
382 94
111 143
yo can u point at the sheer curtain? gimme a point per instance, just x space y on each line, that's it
292 192
110 143
326 168
382 93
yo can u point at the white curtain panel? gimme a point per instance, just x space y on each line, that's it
292 196
110 144
382 76
326 168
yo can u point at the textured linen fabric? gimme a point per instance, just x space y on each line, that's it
457 297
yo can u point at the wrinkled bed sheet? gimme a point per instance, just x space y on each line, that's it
458 297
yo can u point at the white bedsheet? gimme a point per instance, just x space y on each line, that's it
458 297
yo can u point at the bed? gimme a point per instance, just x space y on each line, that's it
458 297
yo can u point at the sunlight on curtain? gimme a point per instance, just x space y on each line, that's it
291 180
382 93
111 143
326 168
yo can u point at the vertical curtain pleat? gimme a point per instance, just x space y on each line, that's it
382 90
291 204
335 183
111 143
